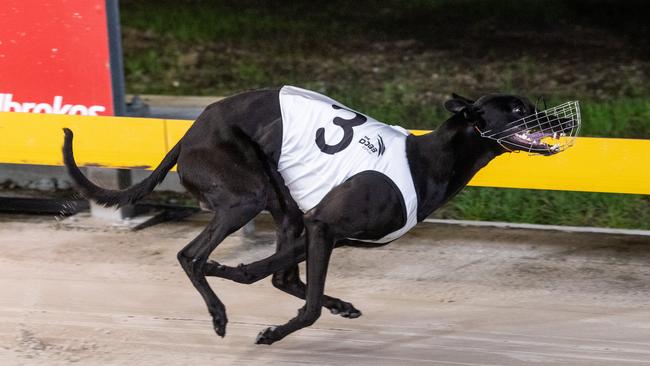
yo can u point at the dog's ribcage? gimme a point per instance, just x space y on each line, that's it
325 143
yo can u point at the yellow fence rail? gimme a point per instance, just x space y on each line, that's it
592 165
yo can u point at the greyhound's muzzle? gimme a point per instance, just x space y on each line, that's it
544 132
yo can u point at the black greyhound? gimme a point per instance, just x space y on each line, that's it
228 160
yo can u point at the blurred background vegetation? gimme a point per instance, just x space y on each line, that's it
397 60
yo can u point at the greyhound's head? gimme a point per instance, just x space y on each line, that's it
516 125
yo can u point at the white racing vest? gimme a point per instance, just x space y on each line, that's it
325 143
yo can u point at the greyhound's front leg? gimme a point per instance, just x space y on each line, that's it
320 243
342 213
288 280
290 236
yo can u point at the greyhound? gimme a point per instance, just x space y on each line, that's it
231 160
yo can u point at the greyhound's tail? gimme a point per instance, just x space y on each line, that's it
109 197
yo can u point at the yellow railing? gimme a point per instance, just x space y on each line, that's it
592 165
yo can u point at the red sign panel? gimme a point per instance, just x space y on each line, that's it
54 57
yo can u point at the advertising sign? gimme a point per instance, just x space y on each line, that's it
55 58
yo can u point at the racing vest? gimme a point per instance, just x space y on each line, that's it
325 143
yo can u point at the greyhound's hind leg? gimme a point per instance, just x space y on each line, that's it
223 168
255 271
194 256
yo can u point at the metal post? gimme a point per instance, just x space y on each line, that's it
113 178
117 63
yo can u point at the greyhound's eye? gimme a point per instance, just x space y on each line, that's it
517 110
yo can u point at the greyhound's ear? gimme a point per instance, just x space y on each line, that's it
456 96
456 105
464 106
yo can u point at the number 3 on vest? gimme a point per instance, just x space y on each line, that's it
348 133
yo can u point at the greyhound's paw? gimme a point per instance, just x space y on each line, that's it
219 324
345 309
267 336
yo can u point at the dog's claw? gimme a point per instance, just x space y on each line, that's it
219 325
267 336
353 315
221 332
345 309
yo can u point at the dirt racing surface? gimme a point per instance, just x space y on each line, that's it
443 295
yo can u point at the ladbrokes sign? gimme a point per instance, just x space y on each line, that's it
54 57
7 104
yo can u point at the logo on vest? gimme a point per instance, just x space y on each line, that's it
7 104
371 148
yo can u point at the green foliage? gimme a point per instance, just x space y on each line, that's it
305 22
550 207
617 118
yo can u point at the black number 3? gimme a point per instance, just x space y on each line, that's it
348 133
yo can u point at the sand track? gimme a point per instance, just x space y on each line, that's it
443 295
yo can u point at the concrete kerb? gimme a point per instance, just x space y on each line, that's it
85 221
566 229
